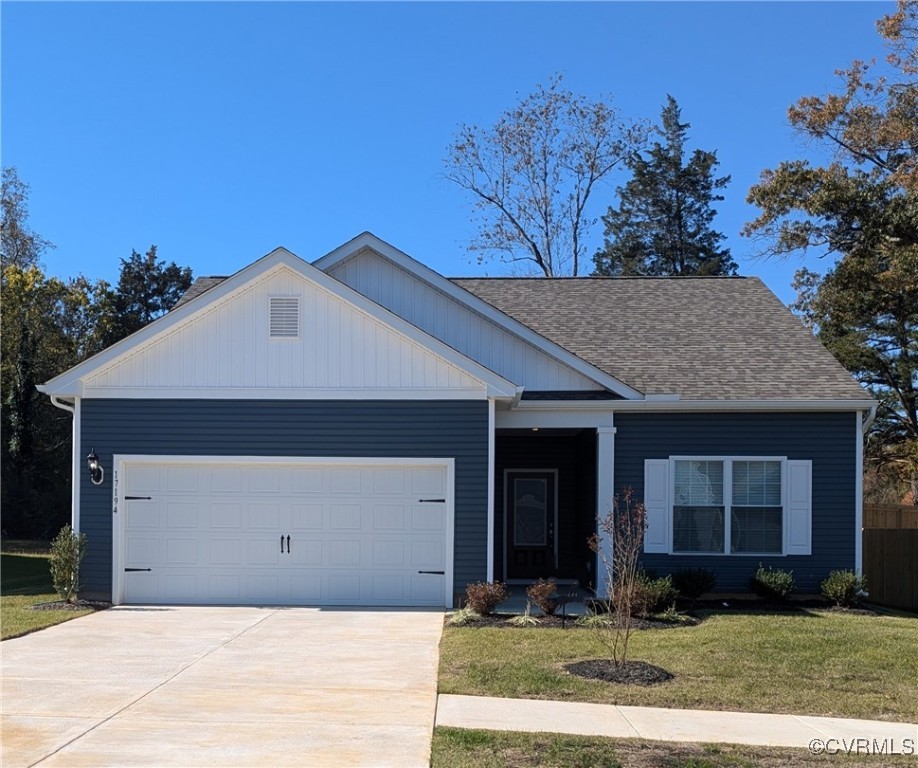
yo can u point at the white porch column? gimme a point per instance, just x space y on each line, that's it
605 488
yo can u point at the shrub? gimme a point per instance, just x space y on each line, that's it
67 552
772 583
484 596
462 617
653 595
844 588
541 594
692 583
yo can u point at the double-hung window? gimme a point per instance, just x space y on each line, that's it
728 506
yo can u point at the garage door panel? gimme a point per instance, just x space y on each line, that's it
226 480
218 533
344 517
225 515
389 482
225 552
307 517
389 517
182 479
428 481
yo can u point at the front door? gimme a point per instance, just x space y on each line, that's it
530 518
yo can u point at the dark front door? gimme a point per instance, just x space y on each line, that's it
530 510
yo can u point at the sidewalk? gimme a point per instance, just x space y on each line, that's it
676 724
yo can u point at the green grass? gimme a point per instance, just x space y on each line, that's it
24 581
805 662
457 748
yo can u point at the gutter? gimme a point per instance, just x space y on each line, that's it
665 405
74 410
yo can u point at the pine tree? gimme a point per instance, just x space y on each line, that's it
663 223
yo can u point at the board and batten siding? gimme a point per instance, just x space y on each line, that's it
455 324
828 439
420 429
227 345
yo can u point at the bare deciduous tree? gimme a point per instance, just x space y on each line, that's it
623 526
532 174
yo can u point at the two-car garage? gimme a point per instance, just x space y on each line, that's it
270 530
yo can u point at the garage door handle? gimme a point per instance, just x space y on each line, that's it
288 545
438 573
431 501
128 570
282 544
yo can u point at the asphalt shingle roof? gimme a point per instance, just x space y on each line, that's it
703 338
199 286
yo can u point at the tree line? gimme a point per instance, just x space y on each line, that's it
46 326
530 179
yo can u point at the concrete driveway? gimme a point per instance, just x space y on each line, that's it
214 686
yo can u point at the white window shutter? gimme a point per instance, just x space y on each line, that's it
799 513
656 505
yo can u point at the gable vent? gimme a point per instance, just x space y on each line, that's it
285 317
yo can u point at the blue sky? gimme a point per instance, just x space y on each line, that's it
221 130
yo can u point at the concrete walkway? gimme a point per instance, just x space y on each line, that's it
183 686
675 724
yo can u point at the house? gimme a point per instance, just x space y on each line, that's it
363 431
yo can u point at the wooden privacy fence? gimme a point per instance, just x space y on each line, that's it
891 555
895 516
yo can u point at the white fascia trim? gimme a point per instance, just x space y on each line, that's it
68 382
119 460
697 405
265 393
490 312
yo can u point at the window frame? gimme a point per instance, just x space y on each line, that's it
727 462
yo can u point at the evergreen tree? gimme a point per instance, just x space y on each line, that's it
663 223
147 289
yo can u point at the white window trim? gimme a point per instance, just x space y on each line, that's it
728 503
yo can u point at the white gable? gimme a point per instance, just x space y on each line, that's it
226 346
456 324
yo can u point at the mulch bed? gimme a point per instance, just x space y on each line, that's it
629 673
76 605
500 621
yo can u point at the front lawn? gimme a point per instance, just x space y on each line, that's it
801 662
24 581
456 748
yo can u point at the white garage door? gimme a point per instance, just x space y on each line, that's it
283 533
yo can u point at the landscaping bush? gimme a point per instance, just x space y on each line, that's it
692 583
484 596
844 588
67 552
772 583
541 594
653 595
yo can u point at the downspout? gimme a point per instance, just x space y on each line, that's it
871 417
74 410
859 489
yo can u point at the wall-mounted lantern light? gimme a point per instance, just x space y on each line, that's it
96 473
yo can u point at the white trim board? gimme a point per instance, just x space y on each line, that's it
121 461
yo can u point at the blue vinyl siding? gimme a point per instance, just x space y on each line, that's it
436 429
828 439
